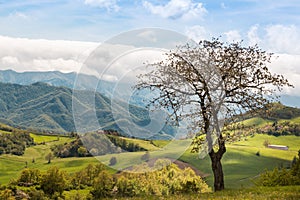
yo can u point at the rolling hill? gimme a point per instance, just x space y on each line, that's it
43 107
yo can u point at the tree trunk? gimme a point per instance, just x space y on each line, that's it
217 165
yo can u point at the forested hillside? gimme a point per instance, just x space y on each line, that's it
43 107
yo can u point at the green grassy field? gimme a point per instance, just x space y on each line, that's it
257 121
142 143
240 162
160 143
44 138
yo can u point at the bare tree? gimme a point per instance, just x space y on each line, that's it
207 83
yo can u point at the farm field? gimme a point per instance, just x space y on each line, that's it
240 163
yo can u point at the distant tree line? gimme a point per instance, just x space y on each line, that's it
7 128
97 143
125 145
72 149
238 131
281 128
15 142
275 111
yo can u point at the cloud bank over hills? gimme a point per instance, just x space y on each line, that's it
22 54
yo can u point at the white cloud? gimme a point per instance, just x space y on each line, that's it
283 39
233 36
59 64
132 63
110 5
177 9
253 37
10 61
110 78
197 33
121 63
23 54
287 65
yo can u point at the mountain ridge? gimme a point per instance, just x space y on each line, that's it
90 82
43 107
58 79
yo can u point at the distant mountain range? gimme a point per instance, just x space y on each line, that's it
89 82
56 78
40 106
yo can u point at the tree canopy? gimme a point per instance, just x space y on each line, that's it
209 82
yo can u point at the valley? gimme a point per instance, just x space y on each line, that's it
44 112
241 164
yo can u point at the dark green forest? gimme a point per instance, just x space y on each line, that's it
15 142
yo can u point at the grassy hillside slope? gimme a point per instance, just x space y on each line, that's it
240 163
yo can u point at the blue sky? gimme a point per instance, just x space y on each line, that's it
59 34
97 20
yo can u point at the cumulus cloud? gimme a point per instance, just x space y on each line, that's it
128 66
197 33
277 38
177 9
253 37
120 63
110 5
233 36
10 61
283 39
289 66
22 54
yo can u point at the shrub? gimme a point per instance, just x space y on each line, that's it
103 185
112 161
166 179
54 181
281 177
29 177
49 157
146 156
37 194
266 143
7 194
82 151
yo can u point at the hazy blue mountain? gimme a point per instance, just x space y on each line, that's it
41 106
55 78
87 82
290 100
